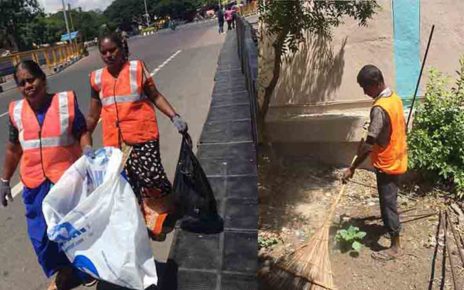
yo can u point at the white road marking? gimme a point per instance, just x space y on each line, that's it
16 189
4 114
156 70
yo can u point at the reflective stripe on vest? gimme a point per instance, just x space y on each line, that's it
133 77
63 140
97 80
122 99
127 113
134 94
48 149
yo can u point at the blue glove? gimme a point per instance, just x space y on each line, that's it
89 152
5 192
179 123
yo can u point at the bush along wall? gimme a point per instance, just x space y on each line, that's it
436 142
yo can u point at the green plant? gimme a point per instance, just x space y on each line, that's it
349 239
266 241
435 144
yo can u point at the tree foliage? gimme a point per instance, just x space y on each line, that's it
24 25
124 13
179 9
436 147
287 22
15 24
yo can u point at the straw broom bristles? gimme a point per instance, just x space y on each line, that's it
308 267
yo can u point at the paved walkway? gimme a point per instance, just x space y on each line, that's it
226 151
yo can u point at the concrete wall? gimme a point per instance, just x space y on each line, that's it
317 99
448 40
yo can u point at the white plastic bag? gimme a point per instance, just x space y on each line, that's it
93 214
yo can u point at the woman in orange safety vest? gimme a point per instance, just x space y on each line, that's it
47 133
124 95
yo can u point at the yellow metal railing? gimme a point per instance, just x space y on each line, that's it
50 57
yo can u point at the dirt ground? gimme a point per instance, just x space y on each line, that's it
294 198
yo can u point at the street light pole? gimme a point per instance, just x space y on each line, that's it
70 17
74 42
146 13
66 21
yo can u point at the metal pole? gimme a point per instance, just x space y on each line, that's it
420 75
72 28
146 13
66 21
70 17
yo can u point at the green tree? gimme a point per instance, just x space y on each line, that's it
287 21
179 9
46 29
87 22
15 23
122 13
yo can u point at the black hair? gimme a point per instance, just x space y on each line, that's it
32 67
113 36
117 39
370 75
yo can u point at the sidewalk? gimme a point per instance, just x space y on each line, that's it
226 151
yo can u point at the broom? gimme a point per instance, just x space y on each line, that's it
308 267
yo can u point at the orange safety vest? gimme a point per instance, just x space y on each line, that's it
50 149
393 159
128 114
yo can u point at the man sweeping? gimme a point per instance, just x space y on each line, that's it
386 145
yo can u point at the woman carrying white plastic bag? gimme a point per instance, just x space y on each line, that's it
93 214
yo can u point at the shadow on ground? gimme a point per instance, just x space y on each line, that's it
167 275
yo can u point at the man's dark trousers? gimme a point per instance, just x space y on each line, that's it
387 186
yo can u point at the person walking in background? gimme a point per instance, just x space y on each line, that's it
220 18
234 16
47 134
125 96
229 17
386 144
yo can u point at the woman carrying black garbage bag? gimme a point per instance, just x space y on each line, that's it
125 96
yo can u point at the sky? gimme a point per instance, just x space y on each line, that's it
51 6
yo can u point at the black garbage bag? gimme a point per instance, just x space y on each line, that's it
194 198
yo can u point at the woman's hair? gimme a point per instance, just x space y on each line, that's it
113 36
370 75
117 39
32 67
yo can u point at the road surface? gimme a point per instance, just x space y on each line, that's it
183 62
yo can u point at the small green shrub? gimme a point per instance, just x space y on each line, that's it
267 241
436 142
349 239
